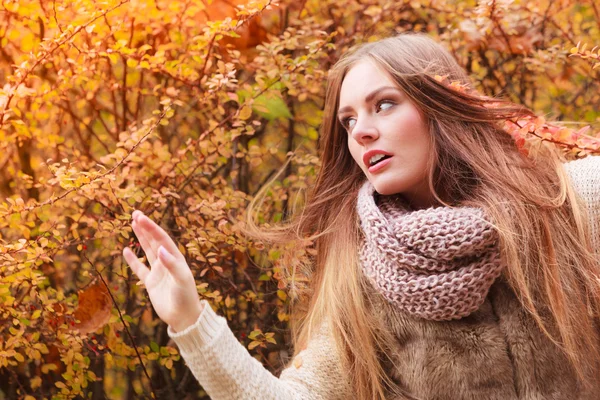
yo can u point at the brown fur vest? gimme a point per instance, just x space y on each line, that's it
496 353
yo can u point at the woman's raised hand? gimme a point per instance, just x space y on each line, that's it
169 280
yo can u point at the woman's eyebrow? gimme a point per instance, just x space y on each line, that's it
369 97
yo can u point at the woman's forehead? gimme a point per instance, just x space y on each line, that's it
362 79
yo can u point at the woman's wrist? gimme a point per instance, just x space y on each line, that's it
189 319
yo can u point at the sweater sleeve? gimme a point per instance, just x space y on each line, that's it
585 177
226 370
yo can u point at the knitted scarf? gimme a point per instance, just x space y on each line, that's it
437 263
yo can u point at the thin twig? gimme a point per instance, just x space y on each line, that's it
48 53
124 324
53 200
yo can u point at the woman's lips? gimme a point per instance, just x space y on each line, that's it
372 153
379 165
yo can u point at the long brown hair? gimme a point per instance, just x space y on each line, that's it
543 227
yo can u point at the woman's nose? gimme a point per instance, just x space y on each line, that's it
364 131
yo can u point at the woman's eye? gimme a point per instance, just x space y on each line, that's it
349 122
384 105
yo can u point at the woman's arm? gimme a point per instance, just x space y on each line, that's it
226 370
220 363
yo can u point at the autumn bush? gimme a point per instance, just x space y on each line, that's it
185 109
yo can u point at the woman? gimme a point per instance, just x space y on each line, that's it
449 265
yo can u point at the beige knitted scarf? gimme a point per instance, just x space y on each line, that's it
437 263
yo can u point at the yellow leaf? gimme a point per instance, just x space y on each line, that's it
281 316
373 11
298 362
48 367
253 345
245 112
282 295
36 382
113 58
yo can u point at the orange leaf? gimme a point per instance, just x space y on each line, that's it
94 309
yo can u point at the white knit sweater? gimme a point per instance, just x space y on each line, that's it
226 370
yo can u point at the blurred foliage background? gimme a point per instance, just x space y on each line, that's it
184 109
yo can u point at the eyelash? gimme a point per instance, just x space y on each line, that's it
377 105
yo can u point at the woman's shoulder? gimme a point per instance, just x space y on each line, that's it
585 177
584 167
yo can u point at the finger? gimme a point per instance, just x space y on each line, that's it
135 264
136 214
157 237
144 242
174 266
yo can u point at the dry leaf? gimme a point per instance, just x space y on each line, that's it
94 309
298 362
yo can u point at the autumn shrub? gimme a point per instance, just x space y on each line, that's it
185 109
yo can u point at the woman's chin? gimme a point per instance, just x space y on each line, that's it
386 190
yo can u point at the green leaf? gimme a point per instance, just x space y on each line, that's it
271 106
254 334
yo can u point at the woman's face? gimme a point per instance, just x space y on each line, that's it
387 135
